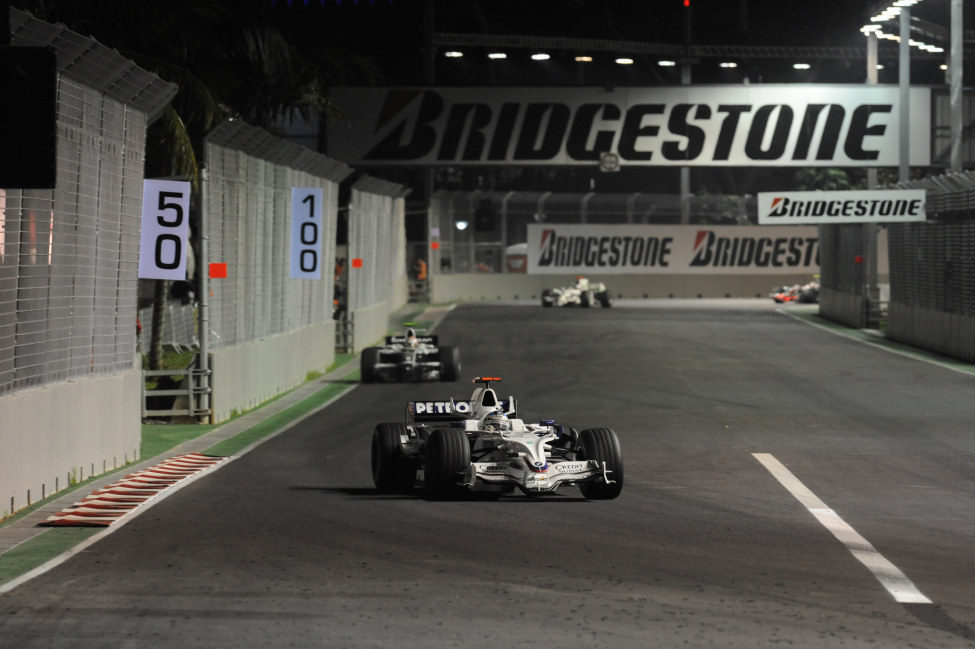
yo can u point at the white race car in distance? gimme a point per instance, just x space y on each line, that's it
480 445
583 293
409 357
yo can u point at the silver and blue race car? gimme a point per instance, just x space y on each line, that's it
410 357
481 445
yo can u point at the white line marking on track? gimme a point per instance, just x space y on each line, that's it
890 577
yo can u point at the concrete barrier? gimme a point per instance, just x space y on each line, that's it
845 308
66 432
246 375
944 333
520 286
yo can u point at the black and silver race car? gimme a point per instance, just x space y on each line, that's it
481 445
410 357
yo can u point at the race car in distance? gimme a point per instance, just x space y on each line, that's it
583 293
410 357
807 293
480 445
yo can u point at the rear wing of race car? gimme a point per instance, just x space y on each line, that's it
401 340
423 412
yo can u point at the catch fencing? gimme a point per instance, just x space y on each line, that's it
477 229
69 381
376 267
248 192
932 283
69 256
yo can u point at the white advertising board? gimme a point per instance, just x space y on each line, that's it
866 206
165 229
306 233
827 125
672 249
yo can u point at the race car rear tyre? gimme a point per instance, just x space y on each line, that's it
602 445
447 453
391 471
367 365
449 363
603 298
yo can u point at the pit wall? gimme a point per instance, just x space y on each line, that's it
370 324
520 286
65 432
949 334
247 375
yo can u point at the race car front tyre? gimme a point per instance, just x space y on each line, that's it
548 297
391 471
603 298
367 365
447 453
601 445
449 358
585 299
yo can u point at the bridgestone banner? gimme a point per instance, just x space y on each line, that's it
671 249
871 206
727 125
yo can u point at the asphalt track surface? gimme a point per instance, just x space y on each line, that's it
290 546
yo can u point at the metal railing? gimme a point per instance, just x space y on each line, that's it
185 394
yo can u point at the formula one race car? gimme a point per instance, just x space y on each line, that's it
480 445
582 293
807 293
410 357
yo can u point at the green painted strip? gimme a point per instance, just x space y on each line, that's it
273 423
159 438
32 553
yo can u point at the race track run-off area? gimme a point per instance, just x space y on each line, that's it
784 487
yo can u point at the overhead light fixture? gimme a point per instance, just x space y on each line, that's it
943 66
728 64
583 59
540 56
666 64
880 66
624 61
461 225
453 54
497 55
801 66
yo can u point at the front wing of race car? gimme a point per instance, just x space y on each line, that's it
489 475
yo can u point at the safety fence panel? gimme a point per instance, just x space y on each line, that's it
477 232
933 263
69 255
377 242
248 203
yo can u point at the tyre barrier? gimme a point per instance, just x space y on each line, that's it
135 491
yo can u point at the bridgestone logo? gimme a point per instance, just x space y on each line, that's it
784 208
724 252
613 252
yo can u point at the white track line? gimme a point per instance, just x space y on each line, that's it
889 575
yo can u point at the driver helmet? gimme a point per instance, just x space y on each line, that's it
411 338
497 420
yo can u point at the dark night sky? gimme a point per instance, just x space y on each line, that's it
392 32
